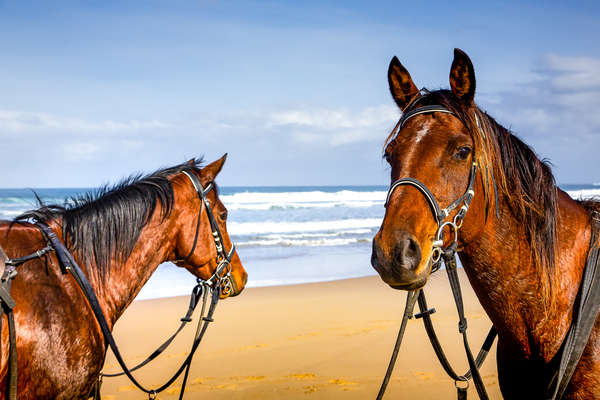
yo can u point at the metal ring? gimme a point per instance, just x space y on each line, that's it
458 386
226 287
440 232
436 255
458 226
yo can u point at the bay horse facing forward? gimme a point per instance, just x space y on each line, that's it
523 242
118 236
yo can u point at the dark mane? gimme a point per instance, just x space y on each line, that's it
104 225
591 205
506 162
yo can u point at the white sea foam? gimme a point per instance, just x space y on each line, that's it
584 193
12 213
264 227
317 235
310 199
303 242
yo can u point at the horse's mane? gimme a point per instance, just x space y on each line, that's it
510 166
104 225
592 204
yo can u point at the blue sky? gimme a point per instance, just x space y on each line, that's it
295 92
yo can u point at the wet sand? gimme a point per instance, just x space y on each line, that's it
328 340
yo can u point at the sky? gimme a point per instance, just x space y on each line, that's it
294 91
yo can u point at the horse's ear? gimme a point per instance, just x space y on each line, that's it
462 76
210 172
401 84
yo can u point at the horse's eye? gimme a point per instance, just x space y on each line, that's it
388 157
224 215
463 153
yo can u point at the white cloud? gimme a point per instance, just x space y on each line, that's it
81 151
334 126
39 122
561 102
572 73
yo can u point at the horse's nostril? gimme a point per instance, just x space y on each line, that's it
375 254
407 254
412 248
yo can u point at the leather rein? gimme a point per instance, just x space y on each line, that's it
586 307
219 282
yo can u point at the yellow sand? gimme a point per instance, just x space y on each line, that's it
312 341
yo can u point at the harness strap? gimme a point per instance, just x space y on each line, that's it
223 257
585 313
12 357
422 110
71 265
435 207
15 262
7 304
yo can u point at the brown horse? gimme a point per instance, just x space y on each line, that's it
118 236
523 242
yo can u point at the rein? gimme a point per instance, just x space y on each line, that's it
220 282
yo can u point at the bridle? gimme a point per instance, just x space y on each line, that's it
222 274
440 214
440 254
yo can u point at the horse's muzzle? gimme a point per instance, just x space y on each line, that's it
398 269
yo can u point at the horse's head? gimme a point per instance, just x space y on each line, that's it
434 147
203 245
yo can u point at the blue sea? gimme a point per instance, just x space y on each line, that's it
284 235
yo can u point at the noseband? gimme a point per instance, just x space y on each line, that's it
222 274
440 214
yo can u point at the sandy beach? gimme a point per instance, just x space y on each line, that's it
322 341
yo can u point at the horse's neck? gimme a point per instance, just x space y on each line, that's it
118 288
531 309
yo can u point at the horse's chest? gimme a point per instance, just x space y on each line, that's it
60 353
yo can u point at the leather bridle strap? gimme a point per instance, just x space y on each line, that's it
224 258
69 263
418 111
202 195
439 213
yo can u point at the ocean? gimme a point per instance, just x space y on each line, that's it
284 235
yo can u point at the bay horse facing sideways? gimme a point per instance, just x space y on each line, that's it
523 243
118 236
